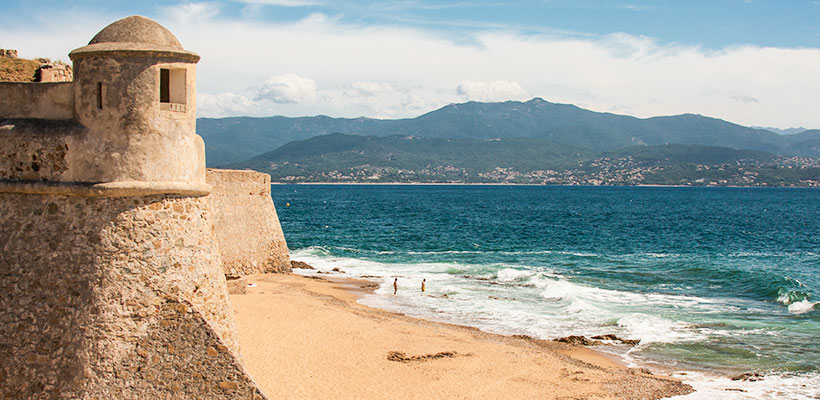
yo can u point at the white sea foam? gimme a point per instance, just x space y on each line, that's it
571 308
518 299
654 329
603 304
445 252
555 289
801 307
784 298
509 274
771 386
662 255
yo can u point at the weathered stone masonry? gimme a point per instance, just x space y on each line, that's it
84 279
256 245
111 246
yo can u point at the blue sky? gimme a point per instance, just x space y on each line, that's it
748 61
712 23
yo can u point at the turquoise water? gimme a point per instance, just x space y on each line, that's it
713 281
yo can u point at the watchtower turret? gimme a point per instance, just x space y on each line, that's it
135 91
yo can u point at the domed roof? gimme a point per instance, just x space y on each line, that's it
136 29
134 36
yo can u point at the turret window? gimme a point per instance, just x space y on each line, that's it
172 89
99 95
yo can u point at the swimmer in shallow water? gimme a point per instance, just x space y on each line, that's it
422 285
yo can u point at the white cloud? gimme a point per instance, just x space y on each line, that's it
192 12
744 98
390 71
383 100
288 88
366 89
225 104
634 7
358 65
492 91
282 3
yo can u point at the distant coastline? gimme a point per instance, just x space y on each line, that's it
527 184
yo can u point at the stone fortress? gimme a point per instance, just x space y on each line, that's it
115 241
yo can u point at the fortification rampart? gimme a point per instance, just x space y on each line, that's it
43 100
111 243
84 277
248 231
66 151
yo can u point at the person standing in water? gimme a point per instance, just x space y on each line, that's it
395 285
422 285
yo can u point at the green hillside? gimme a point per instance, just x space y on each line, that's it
344 152
403 158
231 140
690 154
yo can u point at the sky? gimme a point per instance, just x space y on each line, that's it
752 62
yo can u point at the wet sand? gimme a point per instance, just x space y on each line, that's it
307 338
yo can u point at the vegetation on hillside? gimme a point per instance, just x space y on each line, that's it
17 69
231 140
353 158
336 151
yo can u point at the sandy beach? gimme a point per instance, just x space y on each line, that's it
305 338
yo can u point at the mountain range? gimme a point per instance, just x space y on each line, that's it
533 142
233 140
779 131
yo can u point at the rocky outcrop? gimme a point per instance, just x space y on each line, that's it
300 265
596 340
54 72
578 341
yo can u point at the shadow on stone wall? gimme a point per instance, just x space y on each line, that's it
89 288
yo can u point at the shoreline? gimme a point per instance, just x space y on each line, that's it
529 184
361 287
343 349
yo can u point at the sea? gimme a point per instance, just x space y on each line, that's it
714 282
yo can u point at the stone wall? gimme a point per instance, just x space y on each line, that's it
35 150
37 100
247 228
89 287
58 151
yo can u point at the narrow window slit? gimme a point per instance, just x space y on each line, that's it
99 95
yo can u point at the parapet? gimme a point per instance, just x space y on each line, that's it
37 100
